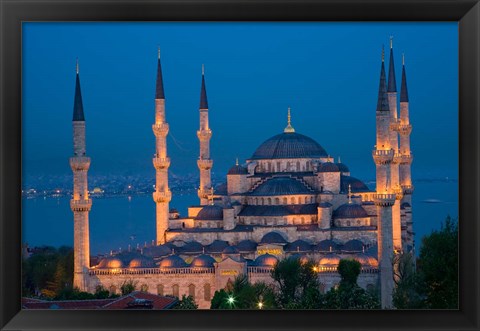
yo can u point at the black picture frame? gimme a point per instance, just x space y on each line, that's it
14 12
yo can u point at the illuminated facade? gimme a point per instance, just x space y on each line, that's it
290 199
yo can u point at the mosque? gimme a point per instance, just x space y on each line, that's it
290 199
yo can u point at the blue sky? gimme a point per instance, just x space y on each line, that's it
328 73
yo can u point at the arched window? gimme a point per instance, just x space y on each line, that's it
160 289
285 201
262 202
298 165
288 166
256 201
348 223
191 290
144 288
269 201
207 292
293 201
113 289
311 200
277 201
302 220
175 290
278 167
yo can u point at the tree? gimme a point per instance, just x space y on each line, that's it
349 295
409 285
438 266
187 302
297 284
128 286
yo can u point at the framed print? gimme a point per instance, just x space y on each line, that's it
240 165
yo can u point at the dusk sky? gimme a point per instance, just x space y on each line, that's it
328 73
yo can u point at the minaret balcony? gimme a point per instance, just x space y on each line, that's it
398 192
161 162
405 129
80 205
160 130
162 196
205 164
206 193
384 199
204 135
405 159
395 124
79 163
407 189
383 156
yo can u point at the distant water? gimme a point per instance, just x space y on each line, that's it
121 221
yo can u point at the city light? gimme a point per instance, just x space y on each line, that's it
260 305
231 300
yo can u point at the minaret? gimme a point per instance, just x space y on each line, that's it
384 198
394 168
204 135
405 129
161 161
80 203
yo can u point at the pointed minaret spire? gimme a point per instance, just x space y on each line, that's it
78 103
289 128
159 92
349 193
382 103
403 88
203 92
339 159
392 84
236 161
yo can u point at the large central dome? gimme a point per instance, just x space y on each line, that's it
289 145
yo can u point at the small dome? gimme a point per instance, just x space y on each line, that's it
356 185
289 145
328 167
298 246
350 210
141 262
329 260
266 260
342 167
173 261
326 245
246 246
157 251
110 262
237 170
230 250
303 259
366 260
217 246
210 212
353 246
191 247
281 186
203 261
273 238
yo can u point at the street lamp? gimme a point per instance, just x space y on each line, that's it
231 300
260 305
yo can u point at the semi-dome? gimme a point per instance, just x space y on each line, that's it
237 170
281 186
298 246
329 260
328 167
110 262
356 185
273 238
266 260
210 212
141 262
203 261
350 210
342 167
289 145
173 261
353 245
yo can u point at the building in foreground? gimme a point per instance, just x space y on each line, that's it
289 200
